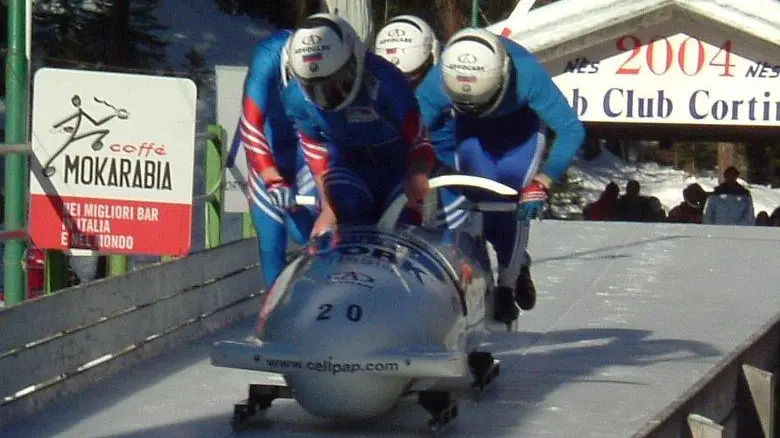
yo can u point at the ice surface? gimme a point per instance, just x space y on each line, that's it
623 325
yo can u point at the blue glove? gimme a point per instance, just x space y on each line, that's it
281 195
532 200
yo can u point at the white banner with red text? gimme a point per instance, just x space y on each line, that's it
672 78
113 162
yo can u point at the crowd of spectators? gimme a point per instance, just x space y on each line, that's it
730 203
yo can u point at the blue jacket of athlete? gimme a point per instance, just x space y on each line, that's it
267 134
384 119
442 135
529 86
270 143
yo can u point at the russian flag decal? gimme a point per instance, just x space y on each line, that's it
312 57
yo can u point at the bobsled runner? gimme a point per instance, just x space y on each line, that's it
363 316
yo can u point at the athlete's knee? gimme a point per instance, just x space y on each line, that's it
262 207
352 207
272 263
455 219
349 195
299 225
469 149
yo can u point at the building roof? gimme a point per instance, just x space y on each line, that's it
568 26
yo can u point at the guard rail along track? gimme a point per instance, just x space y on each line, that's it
64 342
736 399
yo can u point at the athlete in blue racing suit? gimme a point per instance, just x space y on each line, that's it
358 122
277 170
503 101
410 44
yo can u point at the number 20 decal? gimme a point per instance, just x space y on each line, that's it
354 312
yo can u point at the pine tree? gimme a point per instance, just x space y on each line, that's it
195 66
101 34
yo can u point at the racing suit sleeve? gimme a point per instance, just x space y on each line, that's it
420 156
537 88
313 144
259 83
434 103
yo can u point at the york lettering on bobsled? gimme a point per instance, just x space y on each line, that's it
352 277
383 258
328 366
395 250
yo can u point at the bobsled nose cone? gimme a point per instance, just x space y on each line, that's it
348 396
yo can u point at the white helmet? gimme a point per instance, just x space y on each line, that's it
409 43
327 58
475 70
285 68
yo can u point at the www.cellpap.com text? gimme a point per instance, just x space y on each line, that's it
327 366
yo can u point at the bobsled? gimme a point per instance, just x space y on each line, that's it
363 316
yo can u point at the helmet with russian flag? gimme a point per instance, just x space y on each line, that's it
327 58
475 70
285 67
410 44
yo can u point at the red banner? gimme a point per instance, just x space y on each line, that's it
110 226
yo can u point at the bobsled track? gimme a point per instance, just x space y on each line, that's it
658 330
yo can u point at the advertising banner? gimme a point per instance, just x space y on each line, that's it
672 78
112 167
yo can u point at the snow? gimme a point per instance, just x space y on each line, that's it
622 328
219 37
558 23
229 40
223 39
665 183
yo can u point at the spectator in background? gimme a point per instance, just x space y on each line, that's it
774 218
632 207
604 208
656 210
690 211
730 203
762 219
730 186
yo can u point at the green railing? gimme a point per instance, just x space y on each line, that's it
215 158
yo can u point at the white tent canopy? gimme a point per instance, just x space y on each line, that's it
357 13
567 26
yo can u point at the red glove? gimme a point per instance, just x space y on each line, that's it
532 199
535 191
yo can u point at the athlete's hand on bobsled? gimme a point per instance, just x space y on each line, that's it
416 188
532 199
325 221
281 195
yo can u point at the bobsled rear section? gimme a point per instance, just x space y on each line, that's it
358 315
364 315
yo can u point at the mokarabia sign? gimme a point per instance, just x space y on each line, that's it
113 168
671 79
